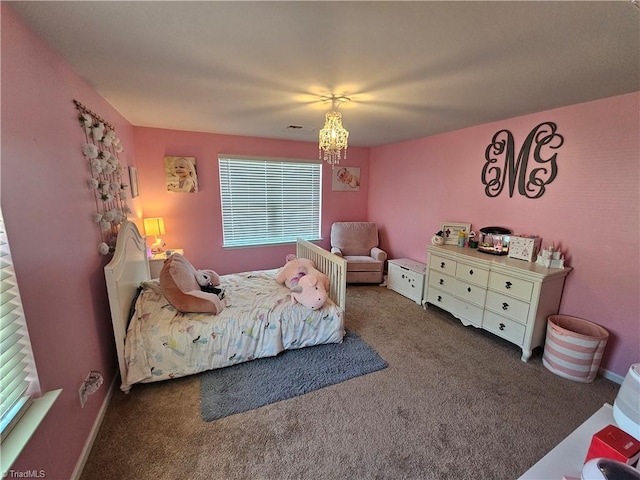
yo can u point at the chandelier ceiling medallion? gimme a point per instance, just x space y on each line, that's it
333 136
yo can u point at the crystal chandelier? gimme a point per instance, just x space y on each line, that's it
333 137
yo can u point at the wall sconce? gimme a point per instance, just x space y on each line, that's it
155 227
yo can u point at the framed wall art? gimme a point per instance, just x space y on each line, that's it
346 179
450 231
133 181
181 174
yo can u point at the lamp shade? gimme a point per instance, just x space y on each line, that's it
154 226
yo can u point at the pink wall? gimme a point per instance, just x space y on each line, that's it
47 209
591 209
193 221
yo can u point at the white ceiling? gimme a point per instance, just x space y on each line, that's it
411 69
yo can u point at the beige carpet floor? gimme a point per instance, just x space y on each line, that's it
454 403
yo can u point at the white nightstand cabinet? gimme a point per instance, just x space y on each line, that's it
406 277
509 297
157 260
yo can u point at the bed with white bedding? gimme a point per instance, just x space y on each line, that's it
161 343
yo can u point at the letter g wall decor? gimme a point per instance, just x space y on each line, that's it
501 165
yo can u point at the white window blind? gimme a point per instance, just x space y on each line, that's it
18 379
268 201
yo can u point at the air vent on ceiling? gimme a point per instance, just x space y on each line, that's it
300 130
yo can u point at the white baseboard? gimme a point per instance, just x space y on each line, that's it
614 377
94 430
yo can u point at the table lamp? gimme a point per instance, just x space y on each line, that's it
155 227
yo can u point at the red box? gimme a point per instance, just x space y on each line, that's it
612 442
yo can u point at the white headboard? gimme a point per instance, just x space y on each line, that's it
124 273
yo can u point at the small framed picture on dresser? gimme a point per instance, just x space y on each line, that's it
450 231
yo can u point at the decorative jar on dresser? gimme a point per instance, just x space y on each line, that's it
509 297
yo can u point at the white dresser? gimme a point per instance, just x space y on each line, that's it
509 297
406 277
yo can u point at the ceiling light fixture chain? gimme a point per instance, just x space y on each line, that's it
333 138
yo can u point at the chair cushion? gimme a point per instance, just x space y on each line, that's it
354 238
358 263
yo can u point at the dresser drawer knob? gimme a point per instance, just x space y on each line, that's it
470 272
439 298
507 285
469 289
502 326
505 306
441 281
441 264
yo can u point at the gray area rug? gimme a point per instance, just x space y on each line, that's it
263 381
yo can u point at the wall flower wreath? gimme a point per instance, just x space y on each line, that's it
101 149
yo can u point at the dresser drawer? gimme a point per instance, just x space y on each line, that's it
507 306
470 293
503 327
442 281
467 312
511 286
440 299
442 264
472 274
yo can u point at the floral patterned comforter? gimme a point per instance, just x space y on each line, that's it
258 321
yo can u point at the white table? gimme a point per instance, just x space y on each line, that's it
567 458
157 260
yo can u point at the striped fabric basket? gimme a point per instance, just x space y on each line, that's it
574 347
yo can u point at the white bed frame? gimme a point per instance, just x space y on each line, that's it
130 266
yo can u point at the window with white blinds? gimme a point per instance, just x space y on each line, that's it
20 413
269 201
18 379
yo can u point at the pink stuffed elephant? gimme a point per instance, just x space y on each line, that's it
307 284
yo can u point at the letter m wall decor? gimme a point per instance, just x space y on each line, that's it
534 168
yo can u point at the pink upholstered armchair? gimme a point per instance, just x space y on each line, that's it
357 243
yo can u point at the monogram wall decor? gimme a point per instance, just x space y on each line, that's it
532 170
